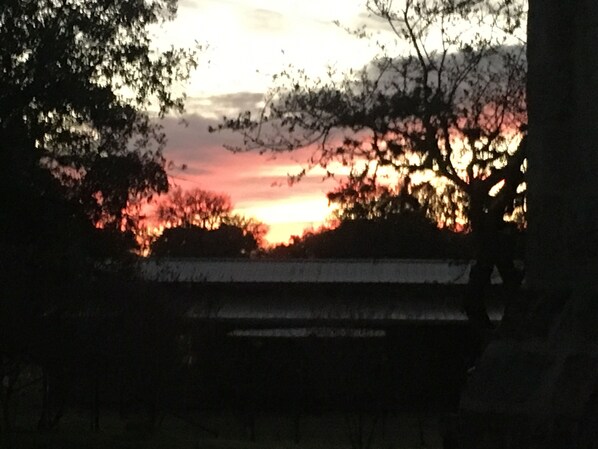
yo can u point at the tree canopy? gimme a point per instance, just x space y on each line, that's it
363 201
408 235
450 102
201 223
77 83
194 241
195 207
81 85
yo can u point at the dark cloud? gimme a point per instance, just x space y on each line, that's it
191 141
266 188
186 169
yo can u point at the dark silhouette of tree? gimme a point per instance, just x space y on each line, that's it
372 202
196 207
77 80
201 223
407 235
65 67
452 109
115 184
69 133
193 241
249 225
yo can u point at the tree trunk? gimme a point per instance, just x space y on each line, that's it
536 386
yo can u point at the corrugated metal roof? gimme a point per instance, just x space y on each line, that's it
389 271
303 332
375 310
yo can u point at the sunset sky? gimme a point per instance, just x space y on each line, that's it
248 42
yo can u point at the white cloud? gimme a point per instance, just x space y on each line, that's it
251 40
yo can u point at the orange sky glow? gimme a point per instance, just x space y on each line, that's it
245 43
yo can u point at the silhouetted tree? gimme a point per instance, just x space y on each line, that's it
197 207
249 225
450 110
114 185
201 224
372 202
77 80
406 235
193 241
453 107
64 70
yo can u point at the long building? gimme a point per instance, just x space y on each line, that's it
320 292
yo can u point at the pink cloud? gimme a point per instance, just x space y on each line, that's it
256 183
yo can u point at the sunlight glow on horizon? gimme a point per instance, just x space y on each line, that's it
295 210
289 217
249 41
282 233
244 43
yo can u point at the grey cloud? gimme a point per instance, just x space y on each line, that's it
211 166
372 22
237 100
265 20
225 104
193 141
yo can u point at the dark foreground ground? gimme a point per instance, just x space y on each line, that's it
265 393
329 430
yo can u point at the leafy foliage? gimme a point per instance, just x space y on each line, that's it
249 225
196 207
76 83
193 241
358 200
407 235
452 104
200 223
